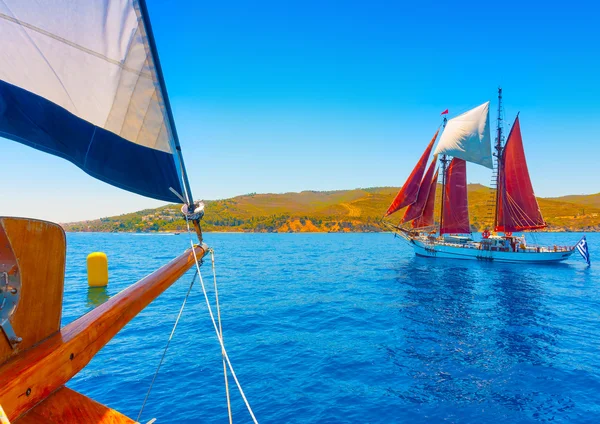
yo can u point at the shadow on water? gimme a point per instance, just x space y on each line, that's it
471 333
96 296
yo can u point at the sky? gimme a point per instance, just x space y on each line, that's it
279 96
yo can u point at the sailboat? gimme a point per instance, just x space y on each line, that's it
81 80
466 138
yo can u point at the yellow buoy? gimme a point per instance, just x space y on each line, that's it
97 269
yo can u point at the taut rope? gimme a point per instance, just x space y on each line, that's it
168 342
214 323
212 259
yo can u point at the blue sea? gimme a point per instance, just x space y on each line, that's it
348 328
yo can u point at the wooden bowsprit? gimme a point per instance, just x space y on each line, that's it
33 373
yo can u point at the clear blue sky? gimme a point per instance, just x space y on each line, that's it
279 96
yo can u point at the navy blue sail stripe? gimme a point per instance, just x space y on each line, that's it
34 121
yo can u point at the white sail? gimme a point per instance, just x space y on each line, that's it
468 137
92 59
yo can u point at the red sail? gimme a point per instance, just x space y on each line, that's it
426 219
518 209
415 210
409 191
456 208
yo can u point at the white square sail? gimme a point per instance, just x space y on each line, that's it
468 137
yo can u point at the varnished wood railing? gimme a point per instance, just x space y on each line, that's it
31 376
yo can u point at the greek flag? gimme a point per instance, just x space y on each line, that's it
582 247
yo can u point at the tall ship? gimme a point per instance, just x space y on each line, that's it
466 138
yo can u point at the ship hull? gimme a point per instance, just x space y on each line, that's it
442 250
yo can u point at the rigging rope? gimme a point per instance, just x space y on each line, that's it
212 259
516 210
219 337
168 342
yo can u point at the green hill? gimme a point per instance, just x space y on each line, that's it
357 210
584 200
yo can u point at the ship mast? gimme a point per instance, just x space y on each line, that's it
444 160
498 155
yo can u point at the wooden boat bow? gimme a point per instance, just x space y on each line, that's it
31 375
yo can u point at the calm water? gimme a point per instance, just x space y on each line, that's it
336 328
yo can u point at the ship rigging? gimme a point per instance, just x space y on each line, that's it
466 138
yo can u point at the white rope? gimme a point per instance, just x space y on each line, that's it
212 259
212 318
167 345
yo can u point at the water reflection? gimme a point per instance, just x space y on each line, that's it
470 333
525 332
440 331
96 296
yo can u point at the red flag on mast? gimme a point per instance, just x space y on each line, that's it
444 112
